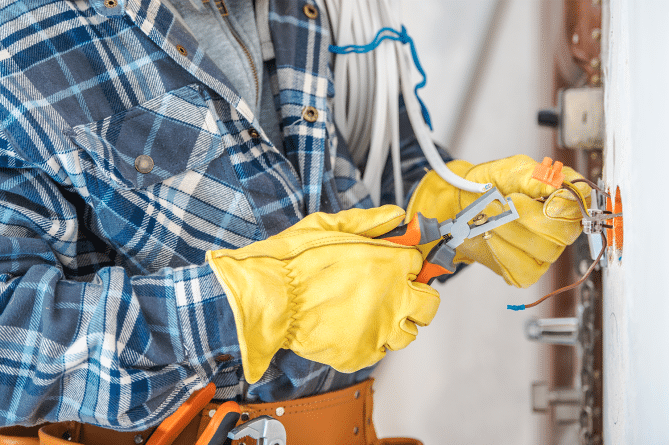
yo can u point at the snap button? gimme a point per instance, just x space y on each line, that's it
111 4
143 164
245 416
182 50
357 394
280 411
310 11
254 133
310 114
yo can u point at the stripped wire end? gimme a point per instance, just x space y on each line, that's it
514 307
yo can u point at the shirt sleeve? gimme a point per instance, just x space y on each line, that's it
82 340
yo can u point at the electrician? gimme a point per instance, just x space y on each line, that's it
178 209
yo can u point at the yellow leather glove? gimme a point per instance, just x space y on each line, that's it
326 290
522 250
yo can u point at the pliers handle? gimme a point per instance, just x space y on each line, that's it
422 230
222 421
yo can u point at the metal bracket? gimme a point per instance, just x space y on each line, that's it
579 118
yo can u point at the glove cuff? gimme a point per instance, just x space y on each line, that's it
262 324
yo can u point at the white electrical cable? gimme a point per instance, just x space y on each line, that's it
368 87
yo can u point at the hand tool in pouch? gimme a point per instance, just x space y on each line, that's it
264 429
222 421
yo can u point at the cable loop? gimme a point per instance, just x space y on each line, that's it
398 36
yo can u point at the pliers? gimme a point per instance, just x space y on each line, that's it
421 230
221 428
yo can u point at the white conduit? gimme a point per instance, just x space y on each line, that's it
368 86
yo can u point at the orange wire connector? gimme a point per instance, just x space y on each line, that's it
551 175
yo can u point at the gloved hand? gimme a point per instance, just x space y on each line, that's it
326 290
522 250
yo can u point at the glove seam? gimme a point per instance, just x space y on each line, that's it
506 273
399 214
321 242
561 245
292 305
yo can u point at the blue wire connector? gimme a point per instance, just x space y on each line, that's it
399 36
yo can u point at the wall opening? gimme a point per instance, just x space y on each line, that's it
614 234
618 226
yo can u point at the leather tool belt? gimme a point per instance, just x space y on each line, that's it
341 417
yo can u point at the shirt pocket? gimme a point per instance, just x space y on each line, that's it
154 141
189 201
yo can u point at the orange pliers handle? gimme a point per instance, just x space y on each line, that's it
422 230
224 420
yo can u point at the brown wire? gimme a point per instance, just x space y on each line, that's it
592 185
584 212
581 205
579 282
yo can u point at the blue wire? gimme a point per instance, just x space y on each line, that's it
520 307
398 36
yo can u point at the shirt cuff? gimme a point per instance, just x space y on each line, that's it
207 323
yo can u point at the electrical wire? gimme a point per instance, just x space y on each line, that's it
368 86
578 283
592 185
580 199
569 186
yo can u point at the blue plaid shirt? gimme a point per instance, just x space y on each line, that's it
108 313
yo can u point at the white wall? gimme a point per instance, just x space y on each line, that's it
636 301
466 379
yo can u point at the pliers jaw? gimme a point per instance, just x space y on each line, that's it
456 230
460 229
422 230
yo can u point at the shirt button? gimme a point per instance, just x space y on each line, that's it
310 11
143 164
182 50
111 4
254 133
310 114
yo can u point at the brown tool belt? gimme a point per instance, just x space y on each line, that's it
341 417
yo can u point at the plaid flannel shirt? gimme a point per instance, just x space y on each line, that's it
108 313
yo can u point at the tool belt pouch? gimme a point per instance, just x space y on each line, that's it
341 417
